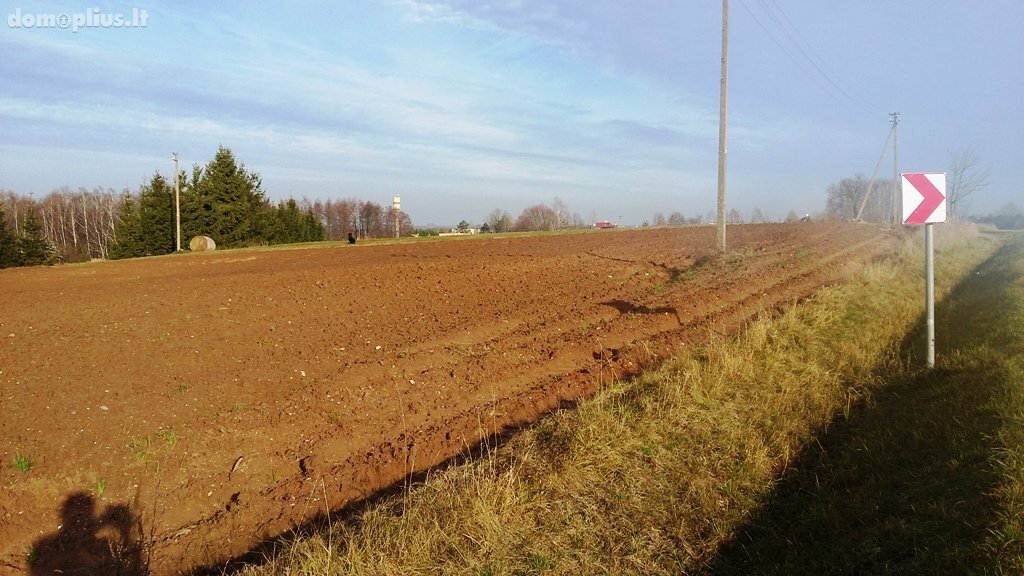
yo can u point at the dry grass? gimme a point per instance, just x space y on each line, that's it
655 475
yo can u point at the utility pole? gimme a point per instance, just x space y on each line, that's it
894 118
722 125
177 207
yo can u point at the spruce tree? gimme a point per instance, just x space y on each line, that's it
312 228
269 227
291 221
227 201
34 246
9 255
128 241
156 217
195 215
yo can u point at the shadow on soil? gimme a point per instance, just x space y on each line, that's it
903 485
86 543
624 307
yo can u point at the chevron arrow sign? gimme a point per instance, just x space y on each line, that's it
924 198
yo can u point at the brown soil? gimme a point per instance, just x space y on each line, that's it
227 397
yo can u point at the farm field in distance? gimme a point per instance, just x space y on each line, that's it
227 397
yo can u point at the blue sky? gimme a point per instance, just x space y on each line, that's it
462 107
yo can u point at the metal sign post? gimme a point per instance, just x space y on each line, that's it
924 202
929 291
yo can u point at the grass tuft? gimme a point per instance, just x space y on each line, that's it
21 462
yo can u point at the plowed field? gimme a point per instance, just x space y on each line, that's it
226 397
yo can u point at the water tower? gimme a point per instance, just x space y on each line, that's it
396 209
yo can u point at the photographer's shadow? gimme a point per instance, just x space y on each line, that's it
87 543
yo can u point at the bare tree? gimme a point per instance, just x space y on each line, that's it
843 196
108 206
80 224
561 212
372 220
850 196
400 221
757 217
499 220
339 217
17 207
965 178
538 217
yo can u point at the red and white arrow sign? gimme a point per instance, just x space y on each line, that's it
924 198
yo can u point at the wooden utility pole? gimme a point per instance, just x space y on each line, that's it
177 207
722 125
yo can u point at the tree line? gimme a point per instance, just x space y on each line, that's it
78 224
556 216
227 202
222 200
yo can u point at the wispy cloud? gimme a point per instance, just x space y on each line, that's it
467 103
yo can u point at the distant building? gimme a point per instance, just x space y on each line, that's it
460 232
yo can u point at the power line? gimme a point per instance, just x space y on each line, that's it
811 55
805 58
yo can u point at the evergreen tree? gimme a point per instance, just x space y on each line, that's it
313 229
34 246
221 200
9 255
195 215
287 223
269 227
225 201
128 241
156 216
290 216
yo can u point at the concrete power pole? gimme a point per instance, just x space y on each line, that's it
894 117
723 124
177 207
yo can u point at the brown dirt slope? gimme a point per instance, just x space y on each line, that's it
228 396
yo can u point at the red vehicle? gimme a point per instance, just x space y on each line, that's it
604 224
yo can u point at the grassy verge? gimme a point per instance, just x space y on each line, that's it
927 475
711 463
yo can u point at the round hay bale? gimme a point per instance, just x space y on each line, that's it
201 244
